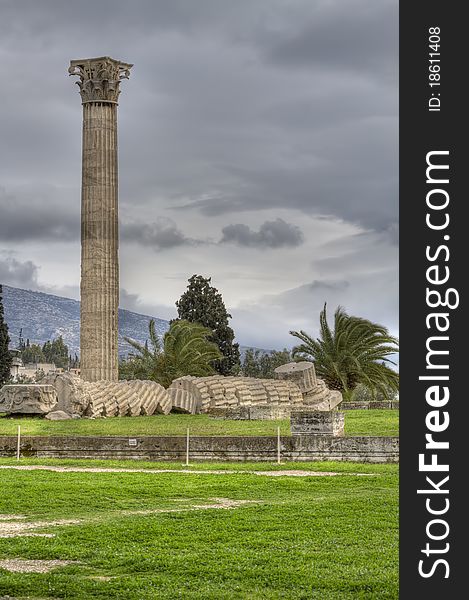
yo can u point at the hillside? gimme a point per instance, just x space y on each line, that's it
44 317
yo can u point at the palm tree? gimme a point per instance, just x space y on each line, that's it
355 352
185 351
144 364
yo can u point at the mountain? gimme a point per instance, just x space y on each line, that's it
45 317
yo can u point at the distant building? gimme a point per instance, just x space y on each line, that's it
16 364
33 370
21 372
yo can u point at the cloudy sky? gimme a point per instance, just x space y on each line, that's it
257 145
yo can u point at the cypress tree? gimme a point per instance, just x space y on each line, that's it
202 303
5 356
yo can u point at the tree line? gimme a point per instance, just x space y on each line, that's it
353 355
53 352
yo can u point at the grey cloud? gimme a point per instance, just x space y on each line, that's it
231 107
392 232
36 215
134 303
139 17
216 115
24 275
128 301
368 253
161 235
298 308
347 170
361 35
16 273
271 234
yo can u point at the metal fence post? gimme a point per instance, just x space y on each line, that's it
278 445
187 448
18 444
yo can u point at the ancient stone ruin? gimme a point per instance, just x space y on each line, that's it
330 423
99 84
27 399
98 393
295 388
109 399
202 394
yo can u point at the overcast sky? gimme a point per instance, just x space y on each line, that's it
257 145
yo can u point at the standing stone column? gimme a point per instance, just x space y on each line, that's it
99 80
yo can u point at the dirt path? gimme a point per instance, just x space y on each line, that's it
14 526
17 565
69 469
28 529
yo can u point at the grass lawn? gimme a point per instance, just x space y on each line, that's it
372 422
357 422
304 537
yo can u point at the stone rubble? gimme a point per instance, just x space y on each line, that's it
109 399
296 387
65 395
27 399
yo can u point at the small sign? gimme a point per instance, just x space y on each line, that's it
132 442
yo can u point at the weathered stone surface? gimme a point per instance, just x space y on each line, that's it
371 405
152 396
209 393
58 415
215 448
251 413
127 398
72 392
108 398
190 395
183 401
27 399
197 387
203 394
322 398
99 80
302 373
317 423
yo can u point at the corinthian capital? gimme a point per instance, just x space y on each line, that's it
99 78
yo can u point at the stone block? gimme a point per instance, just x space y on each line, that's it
72 392
317 423
302 373
58 415
251 413
33 399
182 401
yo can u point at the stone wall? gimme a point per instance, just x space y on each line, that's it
251 413
369 405
172 448
317 423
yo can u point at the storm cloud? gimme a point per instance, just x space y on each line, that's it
271 234
257 145
16 273
36 214
158 236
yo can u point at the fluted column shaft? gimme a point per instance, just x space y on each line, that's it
99 239
99 82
